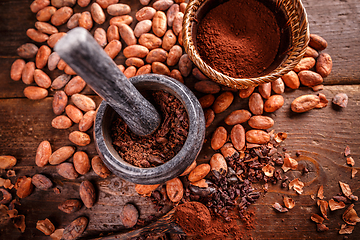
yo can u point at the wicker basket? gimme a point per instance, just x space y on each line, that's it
295 23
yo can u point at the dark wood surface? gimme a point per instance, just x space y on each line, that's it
319 135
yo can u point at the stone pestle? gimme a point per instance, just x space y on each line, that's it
85 56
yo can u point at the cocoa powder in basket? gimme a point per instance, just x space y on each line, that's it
160 146
239 38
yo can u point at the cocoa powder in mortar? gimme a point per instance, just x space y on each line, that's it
160 146
239 38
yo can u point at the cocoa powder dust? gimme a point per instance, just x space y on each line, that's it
239 38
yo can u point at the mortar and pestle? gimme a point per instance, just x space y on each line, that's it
122 96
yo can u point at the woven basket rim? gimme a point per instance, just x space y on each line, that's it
300 36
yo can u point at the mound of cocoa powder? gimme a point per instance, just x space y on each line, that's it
192 217
160 146
239 38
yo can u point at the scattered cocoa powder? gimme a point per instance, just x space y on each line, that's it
160 146
239 38
192 217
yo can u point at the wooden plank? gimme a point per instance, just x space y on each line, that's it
337 21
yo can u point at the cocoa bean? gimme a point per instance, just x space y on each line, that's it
61 16
310 52
174 189
160 68
150 41
63 3
118 9
53 39
265 90
183 6
42 79
73 113
36 35
278 86
43 153
222 102
176 74
144 70
6 197
100 37
135 51
185 65
85 20
17 69
73 21
59 102
38 5
237 136
317 42
207 100
79 138
134 61
145 190
61 65
130 72
23 187
219 138
162 5
291 80
257 136
304 103
67 170
145 13
83 102
7 162
237 116
81 162
46 28
87 121
87 193
75 228
129 215
274 103
28 73
199 75
83 3
209 116
218 163
245 93
97 13
170 14
53 60
127 34
126 19
61 155
157 55
45 14
305 63
105 3
159 25
310 78
261 122
208 87
323 101
324 65
70 206
75 85
113 48
112 33
61 122
142 27
177 24
27 50
199 172
99 167
256 104
169 40
41 181
35 93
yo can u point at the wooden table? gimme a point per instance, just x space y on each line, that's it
319 135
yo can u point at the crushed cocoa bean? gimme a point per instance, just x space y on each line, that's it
160 146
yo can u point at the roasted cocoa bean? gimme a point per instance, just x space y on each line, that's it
341 99
61 122
274 103
46 28
28 73
61 16
199 172
324 64
70 206
27 50
189 168
257 136
74 113
207 100
75 228
144 70
135 51
169 40
317 42
160 68
87 193
150 41
23 187
42 79
208 87
81 162
130 72
75 85
278 86
35 93
99 167
185 65
245 93
112 33
129 215
256 104
73 21
87 121
36 35
261 122
41 181
310 78
85 20
7 162
79 138
127 34
134 61
17 69
237 136
126 19
142 27
43 153
219 138
53 60
113 48
118 9
304 103
157 55
145 13
83 102
171 13
53 39
100 37
174 189
305 63
61 155
45 14
237 116
159 25
265 90
177 24
291 80
67 170
45 226
218 163
176 74
310 52
59 102
97 13
222 102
